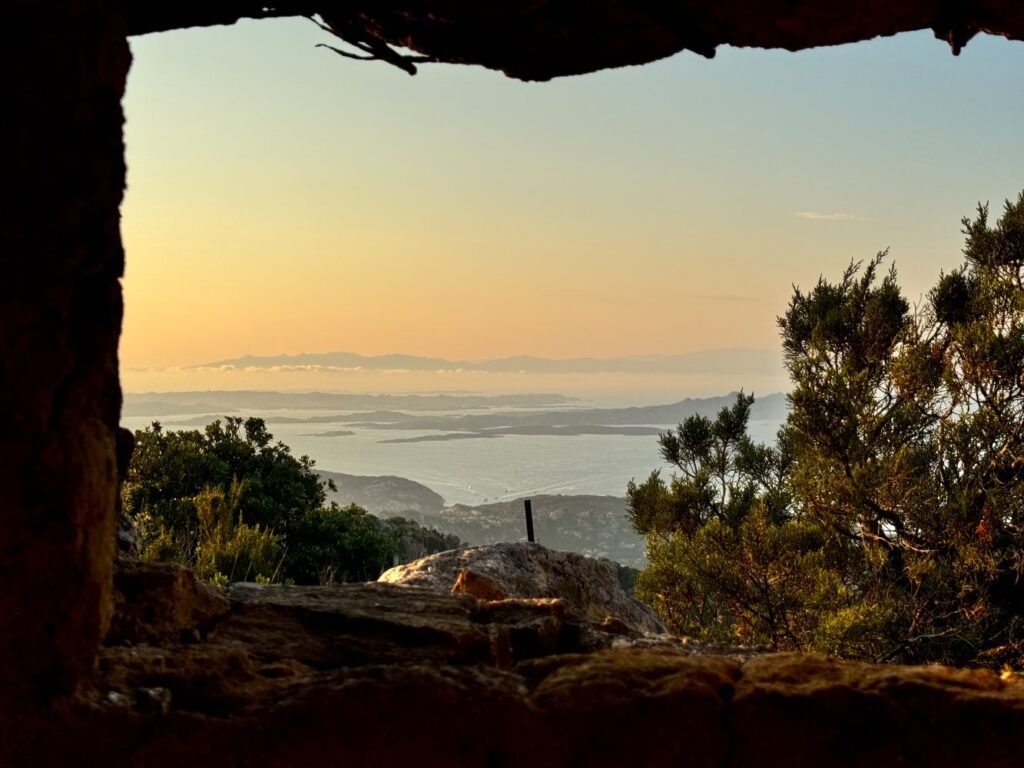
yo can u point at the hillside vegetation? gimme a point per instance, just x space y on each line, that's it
235 505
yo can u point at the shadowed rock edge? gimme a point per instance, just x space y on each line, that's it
380 675
541 39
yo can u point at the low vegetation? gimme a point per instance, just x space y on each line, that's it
235 505
887 521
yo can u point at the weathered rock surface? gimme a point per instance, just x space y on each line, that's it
806 710
158 601
382 675
589 588
128 544
62 165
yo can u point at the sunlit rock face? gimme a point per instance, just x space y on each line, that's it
589 588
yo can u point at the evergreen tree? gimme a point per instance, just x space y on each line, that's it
887 522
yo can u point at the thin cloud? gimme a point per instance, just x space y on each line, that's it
736 298
817 216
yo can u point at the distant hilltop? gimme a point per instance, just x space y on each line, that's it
585 523
710 361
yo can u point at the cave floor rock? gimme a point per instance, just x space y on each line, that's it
384 675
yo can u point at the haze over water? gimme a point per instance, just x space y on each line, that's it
468 449
284 200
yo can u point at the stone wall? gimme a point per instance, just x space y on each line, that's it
391 675
64 66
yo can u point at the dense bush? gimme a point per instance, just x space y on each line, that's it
339 544
730 558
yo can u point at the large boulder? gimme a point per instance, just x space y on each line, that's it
589 588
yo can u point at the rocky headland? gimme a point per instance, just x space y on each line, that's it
384 495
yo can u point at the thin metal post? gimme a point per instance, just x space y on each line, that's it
529 520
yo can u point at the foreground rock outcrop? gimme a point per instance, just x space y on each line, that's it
60 317
589 589
159 602
384 675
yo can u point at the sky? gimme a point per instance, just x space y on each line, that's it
282 200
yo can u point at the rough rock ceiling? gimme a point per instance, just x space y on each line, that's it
541 39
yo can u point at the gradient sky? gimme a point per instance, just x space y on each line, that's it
282 199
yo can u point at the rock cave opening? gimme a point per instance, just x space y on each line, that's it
436 685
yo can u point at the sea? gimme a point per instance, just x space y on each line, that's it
468 471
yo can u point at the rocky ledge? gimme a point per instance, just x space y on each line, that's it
382 675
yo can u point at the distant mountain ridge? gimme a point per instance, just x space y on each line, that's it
230 401
718 361
773 407
447 417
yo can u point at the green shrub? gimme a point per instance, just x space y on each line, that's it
338 544
235 550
